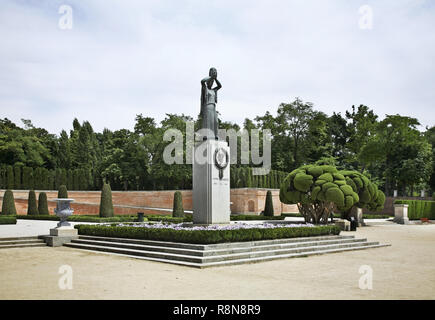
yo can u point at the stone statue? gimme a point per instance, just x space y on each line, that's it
208 104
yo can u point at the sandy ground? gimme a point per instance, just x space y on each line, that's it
406 270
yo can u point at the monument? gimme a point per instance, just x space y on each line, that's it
211 167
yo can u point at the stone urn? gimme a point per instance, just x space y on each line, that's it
63 210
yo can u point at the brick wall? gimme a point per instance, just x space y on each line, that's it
245 200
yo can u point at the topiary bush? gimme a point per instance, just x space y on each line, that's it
8 205
106 205
32 208
316 189
268 207
369 195
178 210
42 204
63 192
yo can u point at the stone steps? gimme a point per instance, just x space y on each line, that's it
21 242
202 256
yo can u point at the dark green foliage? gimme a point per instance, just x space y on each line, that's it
249 217
17 176
42 204
10 177
62 192
8 219
268 207
8 205
83 218
419 208
316 194
106 205
178 210
206 236
368 194
32 208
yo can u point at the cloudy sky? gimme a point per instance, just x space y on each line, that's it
126 57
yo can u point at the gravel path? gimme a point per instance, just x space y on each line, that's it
406 270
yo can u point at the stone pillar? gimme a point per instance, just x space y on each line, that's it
211 183
401 213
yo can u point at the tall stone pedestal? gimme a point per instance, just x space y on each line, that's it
211 183
60 235
401 214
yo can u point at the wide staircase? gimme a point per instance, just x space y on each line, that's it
21 242
202 256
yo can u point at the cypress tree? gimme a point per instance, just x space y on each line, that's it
58 180
76 181
42 204
268 207
8 205
70 178
62 192
10 177
248 173
31 179
32 208
106 205
178 210
63 176
2 178
25 180
17 177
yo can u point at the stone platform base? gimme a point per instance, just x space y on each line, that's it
59 236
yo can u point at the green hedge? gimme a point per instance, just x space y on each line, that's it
242 217
8 219
205 236
82 218
338 216
419 208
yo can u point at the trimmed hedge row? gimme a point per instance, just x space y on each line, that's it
205 236
242 217
8 219
81 218
337 215
419 208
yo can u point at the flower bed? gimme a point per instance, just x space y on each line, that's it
206 235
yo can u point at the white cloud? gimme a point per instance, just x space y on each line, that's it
127 57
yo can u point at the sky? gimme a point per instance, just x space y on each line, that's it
121 58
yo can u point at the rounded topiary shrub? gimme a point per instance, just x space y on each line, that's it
8 206
268 207
368 194
106 205
32 208
316 189
42 204
178 210
63 192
